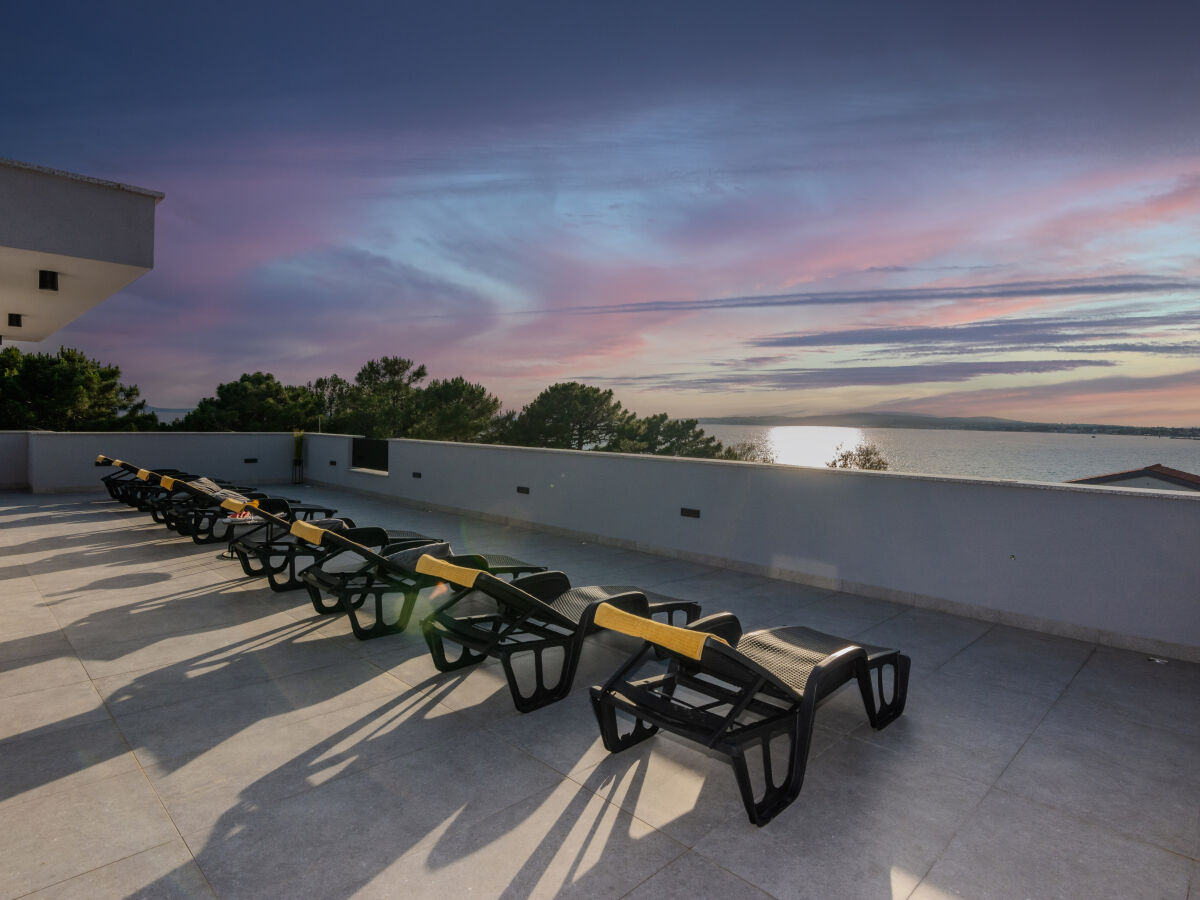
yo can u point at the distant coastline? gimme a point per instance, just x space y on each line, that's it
972 423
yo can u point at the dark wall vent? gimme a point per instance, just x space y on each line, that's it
14 320
688 513
47 280
521 489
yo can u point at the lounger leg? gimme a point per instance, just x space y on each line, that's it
543 693
379 628
610 727
437 649
883 684
320 604
763 804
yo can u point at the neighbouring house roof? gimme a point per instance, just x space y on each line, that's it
1157 470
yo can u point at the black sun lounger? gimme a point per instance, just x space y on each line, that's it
735 693
344 581
281 553
533 614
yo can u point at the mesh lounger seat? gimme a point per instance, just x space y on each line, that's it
216 524
179 500
274 551
125 487
533 614
344 581
735 693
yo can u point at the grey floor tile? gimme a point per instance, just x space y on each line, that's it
846 615
1022 660
1013 847
560 842
677 787
263 765
865 825
1159 695
563 735
47 762
1128 801
24 675
972 728
27 644
339 836
166 871
49 709
66 834
690 876
1108 734
214 672
928 638
175 731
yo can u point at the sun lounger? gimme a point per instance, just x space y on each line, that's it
737 693
533 614
345 581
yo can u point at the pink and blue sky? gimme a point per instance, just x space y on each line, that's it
712 208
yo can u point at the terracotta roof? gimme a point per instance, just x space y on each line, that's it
1158 470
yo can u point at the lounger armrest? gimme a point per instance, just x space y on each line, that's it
546 586
368 536
724 625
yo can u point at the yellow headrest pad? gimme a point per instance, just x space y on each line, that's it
439 568
306 531
166 482
670 637
237 505
117 463
101 458
144 474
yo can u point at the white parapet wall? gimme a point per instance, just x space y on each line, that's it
65 461
14 459
1116 566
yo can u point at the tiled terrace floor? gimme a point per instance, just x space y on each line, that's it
170 728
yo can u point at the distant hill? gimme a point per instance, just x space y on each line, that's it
969 423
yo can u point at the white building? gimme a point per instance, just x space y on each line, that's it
67 242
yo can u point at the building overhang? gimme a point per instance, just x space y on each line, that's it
67 242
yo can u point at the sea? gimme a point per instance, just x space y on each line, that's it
1021 455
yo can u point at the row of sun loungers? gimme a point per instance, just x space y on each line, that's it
702 679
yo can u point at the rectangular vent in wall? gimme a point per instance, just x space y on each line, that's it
521 489
689 513
333 462
14 320
416 474
47 280
250 459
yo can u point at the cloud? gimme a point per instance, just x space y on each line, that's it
844 376
1125 399
1066 287
1061 334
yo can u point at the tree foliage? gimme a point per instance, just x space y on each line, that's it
383 400
67 391
864 456
570 416
455 410
663 436
256 402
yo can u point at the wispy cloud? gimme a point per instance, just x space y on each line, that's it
1130 285
844 376
1175 333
